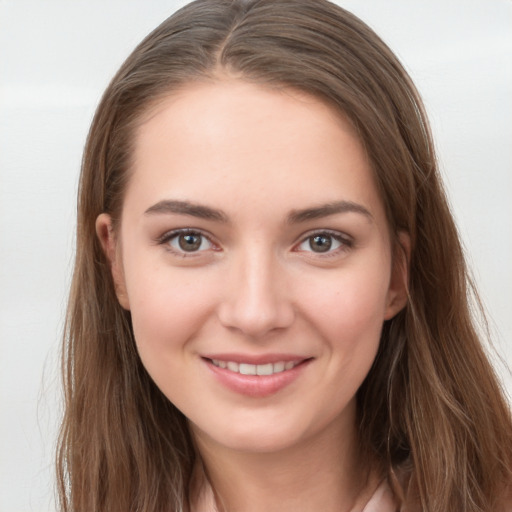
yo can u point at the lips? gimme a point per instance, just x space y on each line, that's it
256 376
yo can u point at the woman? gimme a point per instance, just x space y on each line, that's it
270 303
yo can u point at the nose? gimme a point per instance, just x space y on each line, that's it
256 300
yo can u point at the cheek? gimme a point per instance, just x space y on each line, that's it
350 303
168 307
348 312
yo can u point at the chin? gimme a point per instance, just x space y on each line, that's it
251 437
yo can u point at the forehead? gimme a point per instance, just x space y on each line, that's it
235 139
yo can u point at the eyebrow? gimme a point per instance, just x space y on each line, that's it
169 206
187 208
324 210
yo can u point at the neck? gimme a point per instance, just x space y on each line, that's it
322 473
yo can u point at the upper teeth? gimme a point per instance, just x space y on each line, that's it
255 369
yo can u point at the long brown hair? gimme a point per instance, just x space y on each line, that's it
430 410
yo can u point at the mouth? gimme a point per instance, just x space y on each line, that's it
256 377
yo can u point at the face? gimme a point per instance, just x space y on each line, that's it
255 258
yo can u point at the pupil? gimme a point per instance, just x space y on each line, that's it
320 243
190 242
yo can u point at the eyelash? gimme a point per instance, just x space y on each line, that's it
345 243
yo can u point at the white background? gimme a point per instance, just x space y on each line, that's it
56 57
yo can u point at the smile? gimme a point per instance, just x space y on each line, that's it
255 369
262 377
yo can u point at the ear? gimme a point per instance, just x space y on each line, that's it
398 291
107 238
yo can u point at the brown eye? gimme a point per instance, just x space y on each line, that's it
325 242
190 242
185 241
320 243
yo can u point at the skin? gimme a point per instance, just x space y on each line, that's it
258 284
